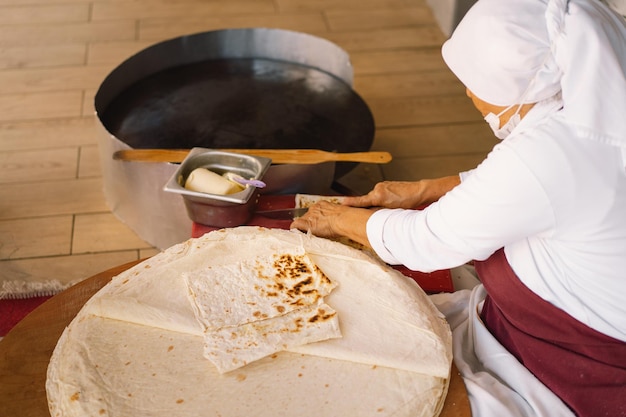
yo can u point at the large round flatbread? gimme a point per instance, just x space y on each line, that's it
139 346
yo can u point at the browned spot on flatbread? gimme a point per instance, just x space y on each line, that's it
301 287
180 401
75 396
322 316
299 323
241 377
170 348
102 411
289 266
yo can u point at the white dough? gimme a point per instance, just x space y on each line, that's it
205 181
142 346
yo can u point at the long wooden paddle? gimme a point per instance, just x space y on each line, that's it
278 156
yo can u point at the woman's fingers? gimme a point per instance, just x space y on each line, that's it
319 219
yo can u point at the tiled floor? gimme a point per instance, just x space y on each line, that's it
54 223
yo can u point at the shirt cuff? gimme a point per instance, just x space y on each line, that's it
463 175
375 234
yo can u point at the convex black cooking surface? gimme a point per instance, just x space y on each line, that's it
229 88
241 103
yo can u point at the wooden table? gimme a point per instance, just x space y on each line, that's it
26 350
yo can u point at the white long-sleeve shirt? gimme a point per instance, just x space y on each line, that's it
555 201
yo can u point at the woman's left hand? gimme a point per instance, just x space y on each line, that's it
330 220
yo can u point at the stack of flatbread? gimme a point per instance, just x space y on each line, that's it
307 200
254 321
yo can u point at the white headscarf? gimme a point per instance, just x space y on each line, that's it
525 51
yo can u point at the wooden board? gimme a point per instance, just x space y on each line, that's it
26 350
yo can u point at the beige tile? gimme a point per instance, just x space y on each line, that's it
411 169
114 53
397 60
356 5
182 9
409 84
71 33
89 108
411 37
102 232
435 140
350 20
89 162
39 2
148 253
40 105
421 110
50 198
160 29
65 269
39 165
42 56
53 13
53 79
45 236
38 134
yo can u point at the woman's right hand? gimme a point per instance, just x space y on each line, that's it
404 194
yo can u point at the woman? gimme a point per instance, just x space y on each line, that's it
543 216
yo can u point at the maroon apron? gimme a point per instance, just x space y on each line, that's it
585 368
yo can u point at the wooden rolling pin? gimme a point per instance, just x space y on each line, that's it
278 156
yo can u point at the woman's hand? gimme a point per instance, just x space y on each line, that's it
331 220
404 194
350 220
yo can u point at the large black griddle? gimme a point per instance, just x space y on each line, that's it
230 88
242 103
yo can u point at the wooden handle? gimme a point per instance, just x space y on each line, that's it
278 156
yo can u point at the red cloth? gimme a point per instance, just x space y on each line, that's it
14 310
433 282
585 368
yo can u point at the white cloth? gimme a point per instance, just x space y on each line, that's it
497 384
553 193
554 200
499 47
512 51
